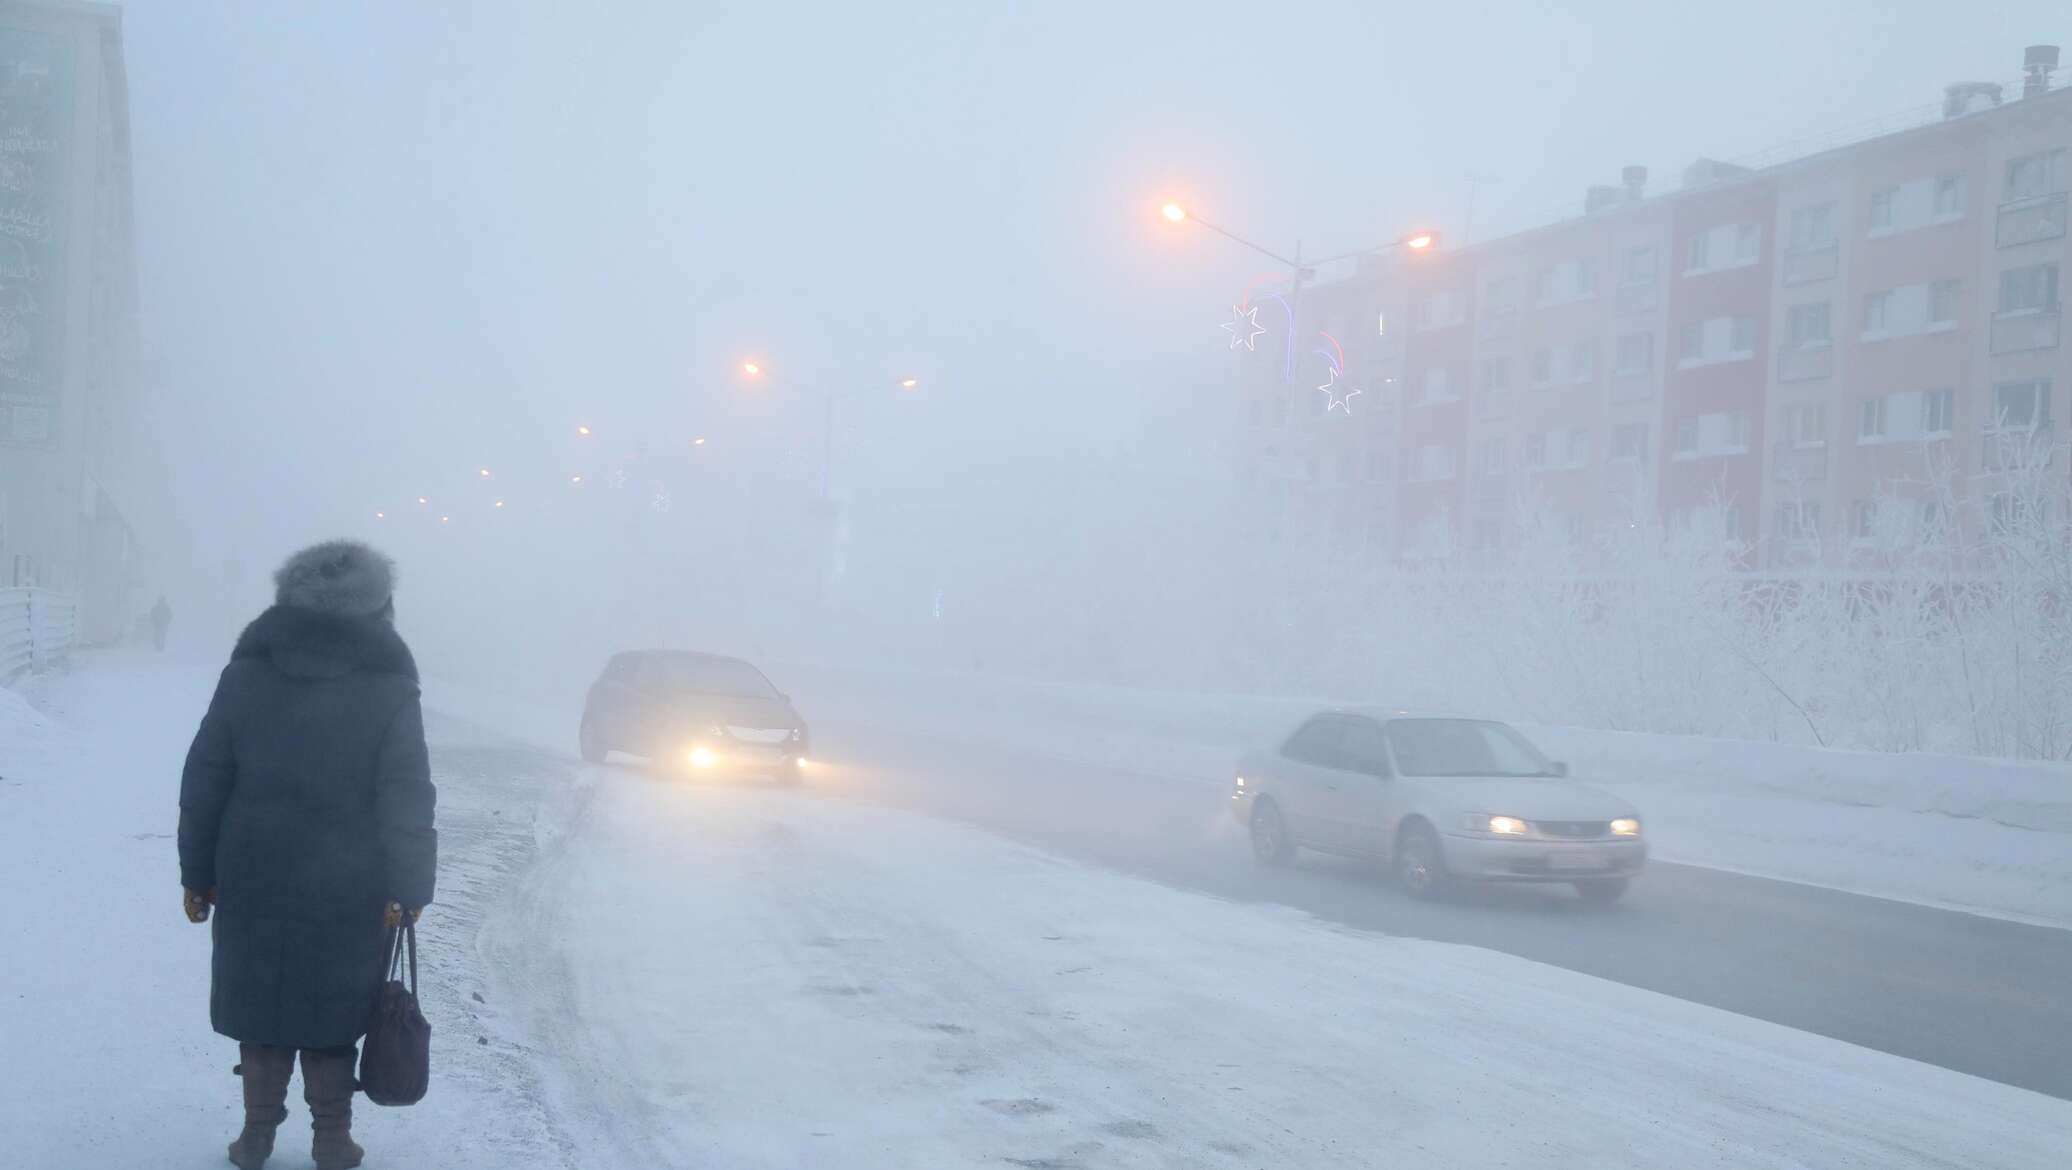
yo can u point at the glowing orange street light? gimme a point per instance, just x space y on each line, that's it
575 479
445 519
499 503
752 369
909 383
485 473
582 430
698 442
1420 240
381 515
422 500
1173 212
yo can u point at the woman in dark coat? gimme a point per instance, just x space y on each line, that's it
306 822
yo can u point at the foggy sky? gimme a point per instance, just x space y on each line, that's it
383 244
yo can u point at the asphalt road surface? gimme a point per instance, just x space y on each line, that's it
1974 994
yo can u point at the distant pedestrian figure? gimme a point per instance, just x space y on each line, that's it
161 619
306 824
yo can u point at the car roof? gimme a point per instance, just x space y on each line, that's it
697 655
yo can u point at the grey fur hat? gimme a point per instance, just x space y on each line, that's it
338 576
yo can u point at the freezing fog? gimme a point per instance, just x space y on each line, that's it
1112 431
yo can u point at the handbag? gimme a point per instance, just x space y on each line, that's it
396 1061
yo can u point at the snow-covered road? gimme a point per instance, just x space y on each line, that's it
627 972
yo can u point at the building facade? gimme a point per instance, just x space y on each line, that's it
1810 353
69 362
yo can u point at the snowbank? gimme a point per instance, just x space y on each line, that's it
1987 835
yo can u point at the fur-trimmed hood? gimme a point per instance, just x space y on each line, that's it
306 643
337 576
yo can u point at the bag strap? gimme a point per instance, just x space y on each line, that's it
410 934
400 937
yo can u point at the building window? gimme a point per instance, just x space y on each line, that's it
2035 175
1881 208
1440 308
1639 265
1716 339
1557 450
1813 228
1911 308
2022 406
1489 457
1805 425
2033 289
1434 463
1718 433
1571 280
2012 514
1629 443
1730 245
1806 326
1798 520
1500 295
1635 355
1905 416
1949 197
1496 375
1438 387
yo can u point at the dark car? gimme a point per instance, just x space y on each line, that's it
694 712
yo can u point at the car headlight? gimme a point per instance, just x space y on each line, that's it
702 757
1626 827
1500 825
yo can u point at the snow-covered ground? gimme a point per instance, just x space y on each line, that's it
1989 836
630 973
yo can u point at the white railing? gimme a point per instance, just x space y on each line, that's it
37 626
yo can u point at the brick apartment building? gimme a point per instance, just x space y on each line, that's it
1793 348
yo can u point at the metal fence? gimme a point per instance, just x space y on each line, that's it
37 626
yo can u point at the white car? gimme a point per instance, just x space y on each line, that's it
1439 799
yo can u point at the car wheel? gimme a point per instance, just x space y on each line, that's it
1420 865
1270 840
1602 891
592 751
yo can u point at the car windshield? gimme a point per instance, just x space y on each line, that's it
1463 747
715 676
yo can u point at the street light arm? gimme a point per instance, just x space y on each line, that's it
1235 238
1377 250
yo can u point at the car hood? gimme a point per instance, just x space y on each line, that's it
734 711
1533 798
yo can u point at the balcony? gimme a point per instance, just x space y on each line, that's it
1804 266
1636 297
1630 386
1798 363
1793 463
2015 330
2025 221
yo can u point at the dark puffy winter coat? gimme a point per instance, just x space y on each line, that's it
307 803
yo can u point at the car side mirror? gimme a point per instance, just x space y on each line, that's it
1560 768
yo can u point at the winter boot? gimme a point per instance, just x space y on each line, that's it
265 1072
328 1086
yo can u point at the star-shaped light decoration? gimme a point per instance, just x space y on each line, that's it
1339 398
661 502
1244 327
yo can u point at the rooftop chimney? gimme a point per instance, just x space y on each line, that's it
2038 62
1969 97
1636 180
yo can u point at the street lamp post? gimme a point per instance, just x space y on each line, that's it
828 398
